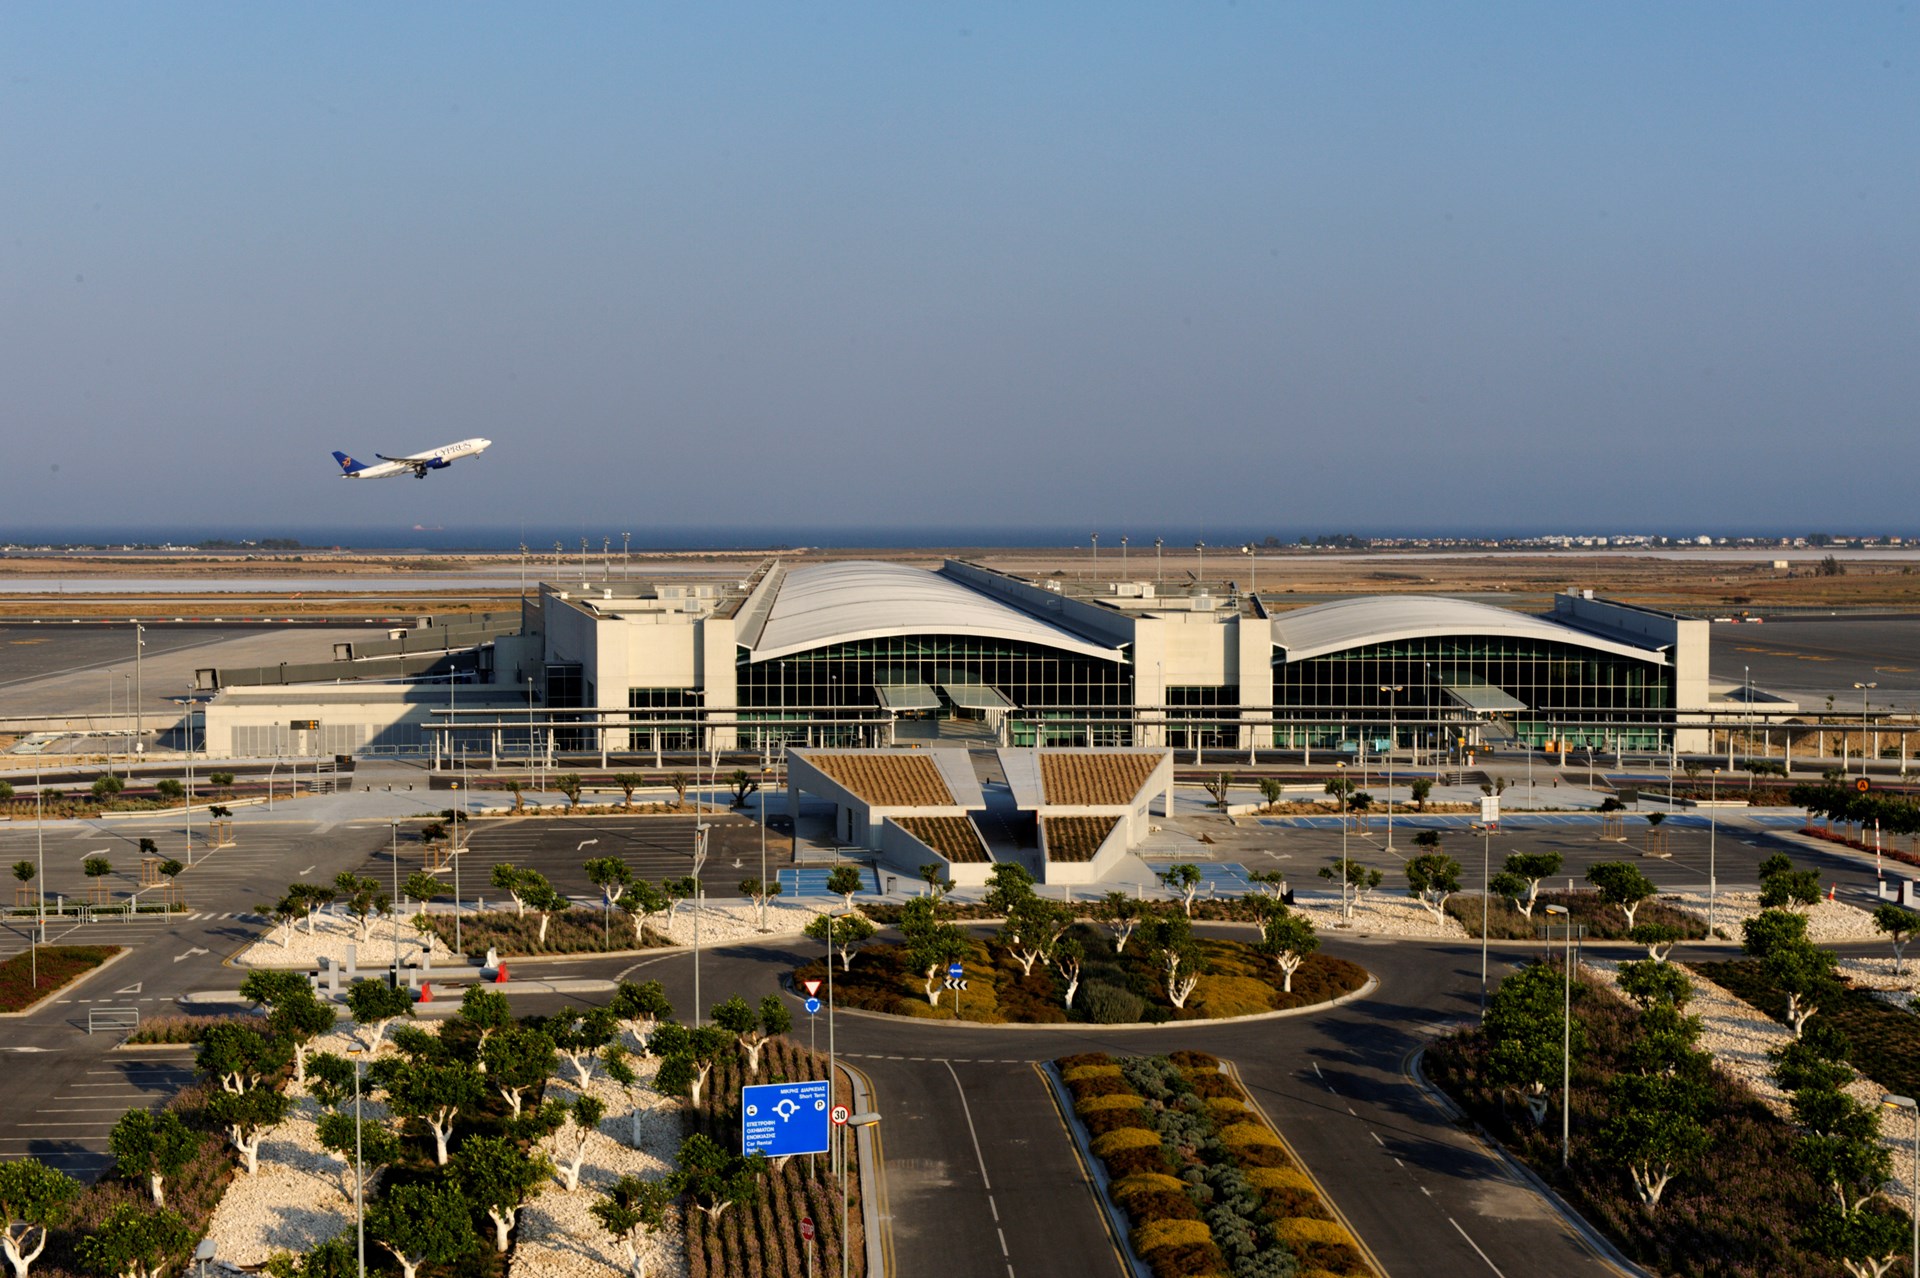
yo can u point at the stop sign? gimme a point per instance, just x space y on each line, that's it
806 1229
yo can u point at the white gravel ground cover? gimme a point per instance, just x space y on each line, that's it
558 1236
1738 1036
332 934
298 1198
723 922
1378 915
1827 921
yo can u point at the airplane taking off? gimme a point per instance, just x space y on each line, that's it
416 465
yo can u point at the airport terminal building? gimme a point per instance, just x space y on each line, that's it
876 654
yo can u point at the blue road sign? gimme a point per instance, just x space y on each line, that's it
813 1007
955 971
777 1119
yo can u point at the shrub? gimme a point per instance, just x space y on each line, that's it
1212 1085
1228 1109
1190 1060
1084 1058
1102 1121
1130 1162
1151 1205
1099 1085
1279 1178
1299 1231
1125 1138
1076 1072
1128 1185
1156 1234
1243 1134
1107 1004
1114 1100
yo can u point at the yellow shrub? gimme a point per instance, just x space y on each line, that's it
1248 1134
1093 1104
1218 997
1298 1231
1227 1109
1170 1233
1142 1182
1280 1178
1090 1071
1125 1138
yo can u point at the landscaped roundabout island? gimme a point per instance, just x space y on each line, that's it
1046 965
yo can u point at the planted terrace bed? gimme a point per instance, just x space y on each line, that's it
1076 838
60 965
1743 1211
1206 1185
1603 922
764 1239
1115 988
1885 1039
570 932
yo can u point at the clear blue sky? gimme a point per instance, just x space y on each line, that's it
1351 266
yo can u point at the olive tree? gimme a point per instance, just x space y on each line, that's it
517 1060
134 1242
1287 939
32 1196
422 1224
1185 881
151 1147
716 1178
1432 877
376 1005
432 1093
247 1117
846 881
638 1006
1621 883
574 1125
687 1057
631 1209
1898 925
499 1179
845 933
1120 914
752 1027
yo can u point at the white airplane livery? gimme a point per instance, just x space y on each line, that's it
417 465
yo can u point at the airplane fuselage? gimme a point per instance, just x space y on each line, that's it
415 464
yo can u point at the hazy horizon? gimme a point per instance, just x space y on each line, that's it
1307 267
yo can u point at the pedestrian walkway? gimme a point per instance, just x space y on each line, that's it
1540 820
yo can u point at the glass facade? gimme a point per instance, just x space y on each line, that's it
674 709
839 681
1214 729
1571 694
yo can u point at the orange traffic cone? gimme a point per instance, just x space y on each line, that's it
500 975
1831 889
426 993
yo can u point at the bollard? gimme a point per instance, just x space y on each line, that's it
353 962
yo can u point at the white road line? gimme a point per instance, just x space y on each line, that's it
1376 1139
1476 1247
1316 1069
1003 1241
968 1111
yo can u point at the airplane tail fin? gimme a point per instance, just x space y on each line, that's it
348 464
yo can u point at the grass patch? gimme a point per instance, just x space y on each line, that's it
516 936
1603 922
59 965
1885 1038
1238 981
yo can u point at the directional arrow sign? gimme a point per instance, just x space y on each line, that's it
777 1119
189 954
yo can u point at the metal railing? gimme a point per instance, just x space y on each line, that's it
113 1018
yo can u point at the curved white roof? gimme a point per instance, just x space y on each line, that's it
1353 623
824 604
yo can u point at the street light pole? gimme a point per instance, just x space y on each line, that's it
1391 689
1566 1043
1907 1103
394 826
1340 776
359 1170
1713 840
1486 907
1159 579
139 690
763 853
699 861
867 1119
1863 723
